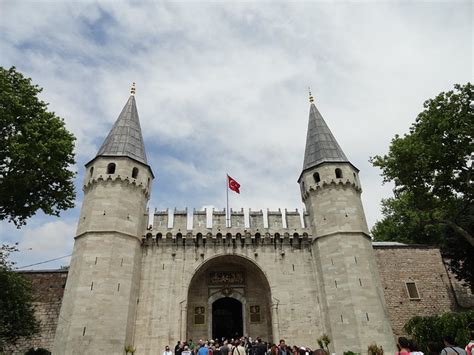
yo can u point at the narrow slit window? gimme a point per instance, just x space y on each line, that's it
134 173
412 290
91 170
316 177
111 168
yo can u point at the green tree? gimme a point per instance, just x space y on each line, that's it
431 169
36 152
17 318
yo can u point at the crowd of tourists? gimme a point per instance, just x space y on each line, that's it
249 346
239 346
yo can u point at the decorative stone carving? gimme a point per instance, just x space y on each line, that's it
226 278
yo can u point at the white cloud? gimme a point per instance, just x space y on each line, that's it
41 242
221 88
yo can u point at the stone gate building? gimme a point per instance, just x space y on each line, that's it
148 286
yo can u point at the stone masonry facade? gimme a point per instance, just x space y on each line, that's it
272 275
48 288
397 264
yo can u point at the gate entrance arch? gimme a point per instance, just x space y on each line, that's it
229 296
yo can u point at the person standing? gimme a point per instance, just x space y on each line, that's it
203 350
239 348
282 348
450 347
470 346
186 351
403 346
167 351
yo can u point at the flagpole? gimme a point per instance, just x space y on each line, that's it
227 193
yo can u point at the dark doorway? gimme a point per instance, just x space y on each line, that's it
227 318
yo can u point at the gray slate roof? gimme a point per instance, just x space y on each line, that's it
125 137
321 146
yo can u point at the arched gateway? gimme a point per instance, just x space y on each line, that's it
229 296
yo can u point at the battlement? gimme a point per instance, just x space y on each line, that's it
214 224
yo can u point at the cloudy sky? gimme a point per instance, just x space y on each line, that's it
222 88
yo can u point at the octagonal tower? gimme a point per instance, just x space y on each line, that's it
353 301
99 306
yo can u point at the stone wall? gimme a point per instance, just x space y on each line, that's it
422 265
48 289
397 264
462 292
170 265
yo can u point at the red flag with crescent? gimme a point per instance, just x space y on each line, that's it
233 185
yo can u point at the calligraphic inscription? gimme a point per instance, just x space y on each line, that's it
254 314
226 278
199 317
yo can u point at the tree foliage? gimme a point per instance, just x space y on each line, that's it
36 152
431 169
430 330
17 317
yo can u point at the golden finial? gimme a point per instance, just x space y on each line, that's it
132 89
311 98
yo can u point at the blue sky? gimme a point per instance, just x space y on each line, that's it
222 88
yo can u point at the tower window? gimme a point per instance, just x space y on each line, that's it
134 173
111 168
91 170
412 291
316 177
338 173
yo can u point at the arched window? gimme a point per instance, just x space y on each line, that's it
91 170
316 177
111 168
257 237
338 173
134 173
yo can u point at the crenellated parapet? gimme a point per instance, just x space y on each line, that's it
255 228
329 176
116 179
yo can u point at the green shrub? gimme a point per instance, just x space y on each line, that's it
432 329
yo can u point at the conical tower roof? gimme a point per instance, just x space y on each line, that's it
125 138
321 146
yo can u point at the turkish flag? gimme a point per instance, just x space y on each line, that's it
233 185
